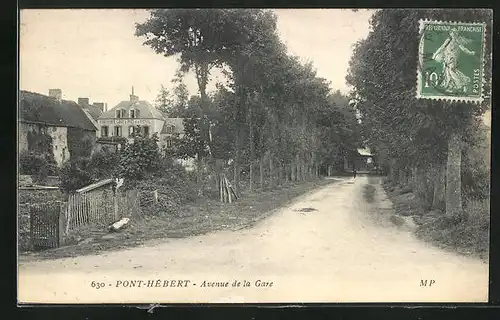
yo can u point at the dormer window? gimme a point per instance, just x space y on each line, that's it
170 129
120 113
132 113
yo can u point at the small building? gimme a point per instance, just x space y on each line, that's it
123 119
361 160
71 129
172 128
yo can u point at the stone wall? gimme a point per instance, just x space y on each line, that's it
58 135
26 199
59 144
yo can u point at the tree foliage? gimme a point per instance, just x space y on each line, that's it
275 109
138 157
402 130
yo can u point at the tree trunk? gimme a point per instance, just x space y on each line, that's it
298 167
271 171
261 171
280 174
401 175
303 169
293 169
237 162
453 176
439 180
252 146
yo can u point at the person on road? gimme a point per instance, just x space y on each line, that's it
354 173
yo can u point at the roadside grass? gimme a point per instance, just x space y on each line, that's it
203 216
468 235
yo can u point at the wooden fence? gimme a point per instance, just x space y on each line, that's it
101 207
51 222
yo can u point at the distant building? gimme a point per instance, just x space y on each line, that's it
361 160
174 128
123 119
71 128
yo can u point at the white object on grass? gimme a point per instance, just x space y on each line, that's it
119 224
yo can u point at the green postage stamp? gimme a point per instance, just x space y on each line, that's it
451 61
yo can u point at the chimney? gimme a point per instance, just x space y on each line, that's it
82 102
100 105
56 94
133 98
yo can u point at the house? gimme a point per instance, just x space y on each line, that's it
94 110
172 128
122 120
361 160
72 131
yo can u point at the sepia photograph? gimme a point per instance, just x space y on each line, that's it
227 155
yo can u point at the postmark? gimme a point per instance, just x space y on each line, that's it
451 61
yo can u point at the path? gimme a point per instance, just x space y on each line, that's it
345 251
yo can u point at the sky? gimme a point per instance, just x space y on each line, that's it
94 53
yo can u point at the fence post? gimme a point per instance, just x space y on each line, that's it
115 204
63 207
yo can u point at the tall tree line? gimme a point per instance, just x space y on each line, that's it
277 121
421 142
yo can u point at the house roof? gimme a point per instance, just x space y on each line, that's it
365 152
146 110
39 108
94 111
177 123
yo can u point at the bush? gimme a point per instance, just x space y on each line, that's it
174 185
40 166
469 232
103 164
139 158
75 174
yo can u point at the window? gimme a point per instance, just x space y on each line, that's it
170 129
130 130
118 131
132 113
104 131
146 131
118 113
124 113
169 143
137 113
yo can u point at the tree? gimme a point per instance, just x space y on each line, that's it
75 174
201 38
415 133
164 102
139 157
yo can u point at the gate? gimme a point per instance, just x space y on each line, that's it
44 225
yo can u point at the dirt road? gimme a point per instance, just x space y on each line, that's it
345 250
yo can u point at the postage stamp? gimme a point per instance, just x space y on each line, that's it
451 61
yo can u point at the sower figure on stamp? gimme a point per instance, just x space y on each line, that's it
448 54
